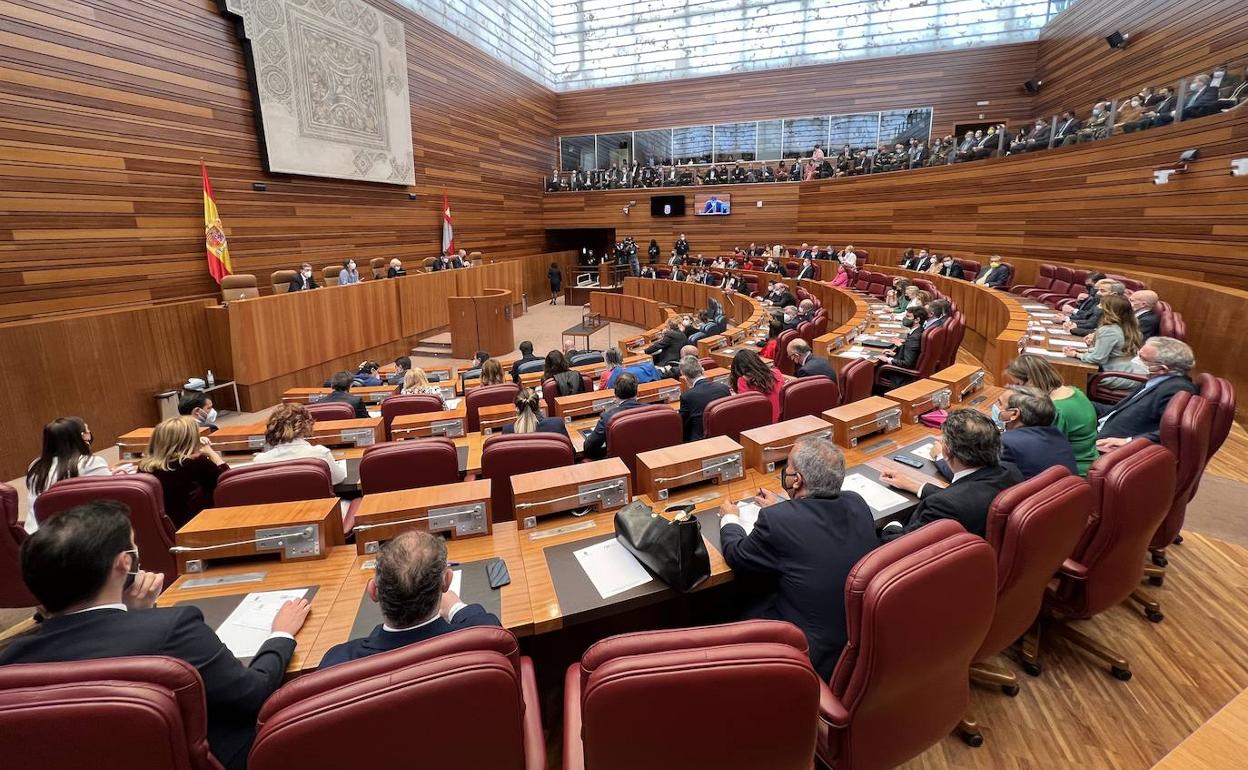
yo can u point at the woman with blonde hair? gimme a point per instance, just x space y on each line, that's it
1115 342
286 438
416 383
492 372
186 465
529 417
1076 416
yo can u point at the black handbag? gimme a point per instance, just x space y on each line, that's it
673 550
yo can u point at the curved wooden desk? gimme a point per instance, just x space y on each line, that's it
481 322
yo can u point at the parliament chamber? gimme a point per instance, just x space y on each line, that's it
532 385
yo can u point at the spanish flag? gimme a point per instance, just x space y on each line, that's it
448 230
214 235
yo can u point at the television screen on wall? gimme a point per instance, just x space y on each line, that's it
712 204
667 205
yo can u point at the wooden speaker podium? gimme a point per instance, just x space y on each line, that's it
481 322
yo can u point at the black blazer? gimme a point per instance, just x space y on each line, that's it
299 283
1150 324
814 366
596 441
966 500
381 640
1035 449
693 403
396 273
953 271
784 299
923 265
995 278
356 403
666 349
808 545
515 368
907 356
1139 414
234 693
1089 308
544 425
806 272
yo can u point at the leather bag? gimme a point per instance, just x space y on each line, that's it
671 549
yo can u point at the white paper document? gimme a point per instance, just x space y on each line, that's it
457 580
878 496
251 622
1068 344
927 451
1046 352
611 568
748 513
452 403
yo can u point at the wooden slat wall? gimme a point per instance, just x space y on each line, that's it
1170 39
951 82
106 107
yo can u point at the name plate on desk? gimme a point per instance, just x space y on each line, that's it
920 397
458 510
602 485
962 379
450 423
766 446
863 418
712 459
659 392
355 432
303 529
584 404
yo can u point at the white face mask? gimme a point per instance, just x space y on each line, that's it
211 417
307 273
351 266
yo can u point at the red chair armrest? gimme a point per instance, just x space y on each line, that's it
534 738
890 368
1074 570
573 748
831 710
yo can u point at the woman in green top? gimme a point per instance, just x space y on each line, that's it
1076 417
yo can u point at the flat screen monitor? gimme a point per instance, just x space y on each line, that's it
667 205
712 204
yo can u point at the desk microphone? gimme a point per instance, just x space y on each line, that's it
303 534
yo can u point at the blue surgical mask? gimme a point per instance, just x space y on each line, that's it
996 417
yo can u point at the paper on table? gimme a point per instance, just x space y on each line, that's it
748 512
611 568
1068 344
457 580
1046 352
927 451
451 403
251 622
877 496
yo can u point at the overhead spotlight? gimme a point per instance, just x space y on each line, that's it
1033 86
1117 40
1189 155
259 186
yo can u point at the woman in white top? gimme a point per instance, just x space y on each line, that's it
416 383
66 454
286 436
847 257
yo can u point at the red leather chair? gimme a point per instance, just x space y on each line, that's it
640 429
917 610
550 391
507 454
1059 289
856 380
880 284
394 698
423 462
930 355
281 482
487 395
955 330
970 268
730 415
806 330
13 591
783 362
756 673
862 281
396 405
141 493
821 323
143 712
1032 527
1132 487
1186 426
1220 393
1101 394
808 395
332 410
1043 284
707 363
1172 325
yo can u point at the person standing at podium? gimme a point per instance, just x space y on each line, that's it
302 280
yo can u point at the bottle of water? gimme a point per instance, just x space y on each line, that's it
211 380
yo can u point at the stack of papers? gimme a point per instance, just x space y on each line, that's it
927 451
748 511
611 567
1045 352
251 622
878 496
451 403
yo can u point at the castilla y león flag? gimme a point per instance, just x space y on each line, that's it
448 232
214 235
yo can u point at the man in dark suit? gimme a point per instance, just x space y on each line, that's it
1144 304
996 276
924 261
971 448
682 246
807 270
526 355
1067 126
938 312
1038 139
699 392
1088 325
906 355
807 544
83 567
1031 442
951 268
412 583
666 349
1169 363
341 391
1090 306
781 296
1202 98
625 389
302 280
806 363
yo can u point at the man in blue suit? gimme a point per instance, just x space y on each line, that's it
1031 442
626 392
412 584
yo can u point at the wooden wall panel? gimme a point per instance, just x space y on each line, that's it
106 107
951 82
1170 39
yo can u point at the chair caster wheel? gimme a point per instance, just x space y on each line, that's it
974 740
1032 669
1153 616
1121 674
1178 540
1160 561
1156 580
1010 690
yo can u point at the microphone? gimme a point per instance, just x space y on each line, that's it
299 534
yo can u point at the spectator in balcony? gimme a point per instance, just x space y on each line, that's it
1202 98
1128 112
1067 126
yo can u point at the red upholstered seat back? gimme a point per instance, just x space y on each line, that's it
807 396
1171 324
783 362
1186 426
274 483
955 330
757 668
1045 280
1063 279
821 322
970 268
141 493
856 380
332 410
806 330
142 712
932 352
862 281
640 429
1033 527
916 610
707 363
1221 394
506 455
422 462
730 415
487 395
396 405
393 699
13 591
1132 488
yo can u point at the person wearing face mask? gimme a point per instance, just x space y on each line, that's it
83 567
1029 439
805 543
348 274
906 356
1168 363
1128 112
197 405
1089 306
302 280
996 276
951 268
187 466
66 454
